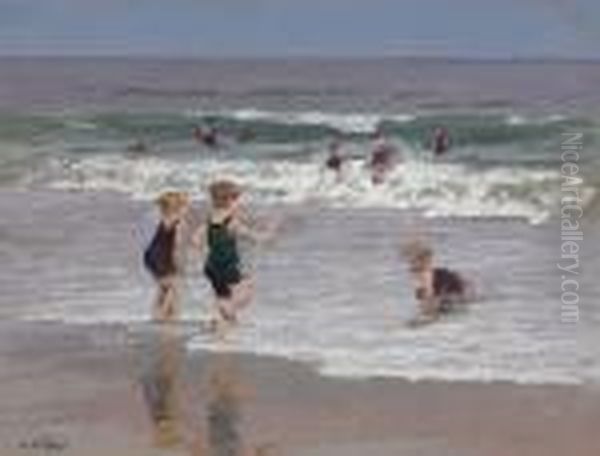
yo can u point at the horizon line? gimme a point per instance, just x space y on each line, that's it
299 57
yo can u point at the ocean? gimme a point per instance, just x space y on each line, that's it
333 290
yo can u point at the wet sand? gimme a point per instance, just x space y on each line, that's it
92 391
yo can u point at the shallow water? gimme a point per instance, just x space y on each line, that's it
333 290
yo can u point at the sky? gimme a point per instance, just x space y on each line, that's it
463 28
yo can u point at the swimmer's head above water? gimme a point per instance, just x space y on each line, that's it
419 256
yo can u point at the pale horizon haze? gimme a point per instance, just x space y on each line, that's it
328 28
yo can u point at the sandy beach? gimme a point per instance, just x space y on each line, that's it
96 391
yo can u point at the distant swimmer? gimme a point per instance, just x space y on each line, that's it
438 290
335 161
137 147
382 155
440 142
208 136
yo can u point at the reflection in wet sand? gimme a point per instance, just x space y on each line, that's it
205 425
225 413
160 384
223 410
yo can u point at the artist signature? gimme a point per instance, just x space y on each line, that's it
45 443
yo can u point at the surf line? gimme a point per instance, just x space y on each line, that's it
571 231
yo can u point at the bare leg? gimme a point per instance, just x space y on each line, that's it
224 318
226 309
166 302
170 304
159 303
243 293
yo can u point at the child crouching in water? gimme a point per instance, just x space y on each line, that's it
438 290
160 257
219 237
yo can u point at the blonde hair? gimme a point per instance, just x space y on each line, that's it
417 252
172 201
222 192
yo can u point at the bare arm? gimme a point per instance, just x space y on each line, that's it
198 238
259 236
428 301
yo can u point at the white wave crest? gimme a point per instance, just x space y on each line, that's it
438 190
363 123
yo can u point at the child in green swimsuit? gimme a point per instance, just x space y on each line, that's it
220 236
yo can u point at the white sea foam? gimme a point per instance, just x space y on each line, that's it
516 120
76 124
472 350
439 190
345 122
520 120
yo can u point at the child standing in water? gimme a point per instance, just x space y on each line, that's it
440 142
160 257
220 236
335 160
382 157
438 290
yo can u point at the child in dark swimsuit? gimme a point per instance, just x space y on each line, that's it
207 136
160 257
439 290
219 236
382 157
440 141
335 161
